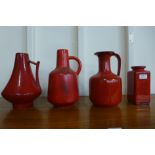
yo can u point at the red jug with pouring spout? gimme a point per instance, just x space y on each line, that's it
22 88
105 87
63 82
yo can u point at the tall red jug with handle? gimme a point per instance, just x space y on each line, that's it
22 88
63 82
105 87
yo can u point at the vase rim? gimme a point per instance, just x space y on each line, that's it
62 49
138 67
23 53
104 52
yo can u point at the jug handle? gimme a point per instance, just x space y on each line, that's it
79 63
37 70
119 62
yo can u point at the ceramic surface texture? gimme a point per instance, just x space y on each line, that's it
63 83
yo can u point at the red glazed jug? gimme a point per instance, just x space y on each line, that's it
138 85
105 87
22 88
63 84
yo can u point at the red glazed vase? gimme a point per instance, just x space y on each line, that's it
138 85
63 83
22 88
105 87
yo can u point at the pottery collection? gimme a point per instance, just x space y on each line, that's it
105 87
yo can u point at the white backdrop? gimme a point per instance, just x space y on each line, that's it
134 44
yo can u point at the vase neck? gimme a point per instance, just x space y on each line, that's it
104 63
62 58
21 61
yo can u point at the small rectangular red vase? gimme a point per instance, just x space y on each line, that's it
138 85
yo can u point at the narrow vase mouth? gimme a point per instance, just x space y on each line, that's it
104 52
62 50
21 53
138 67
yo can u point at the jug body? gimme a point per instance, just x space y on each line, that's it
63 81
138 85
105 87
22 88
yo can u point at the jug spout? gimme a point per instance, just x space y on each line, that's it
104 61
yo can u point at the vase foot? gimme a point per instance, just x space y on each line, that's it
22 106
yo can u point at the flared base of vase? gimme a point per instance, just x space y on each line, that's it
22 106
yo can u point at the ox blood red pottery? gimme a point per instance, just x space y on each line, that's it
22 87
63 83
105 87
138 85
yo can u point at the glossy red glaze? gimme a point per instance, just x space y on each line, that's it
138 85
63 84
22 88
105 87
